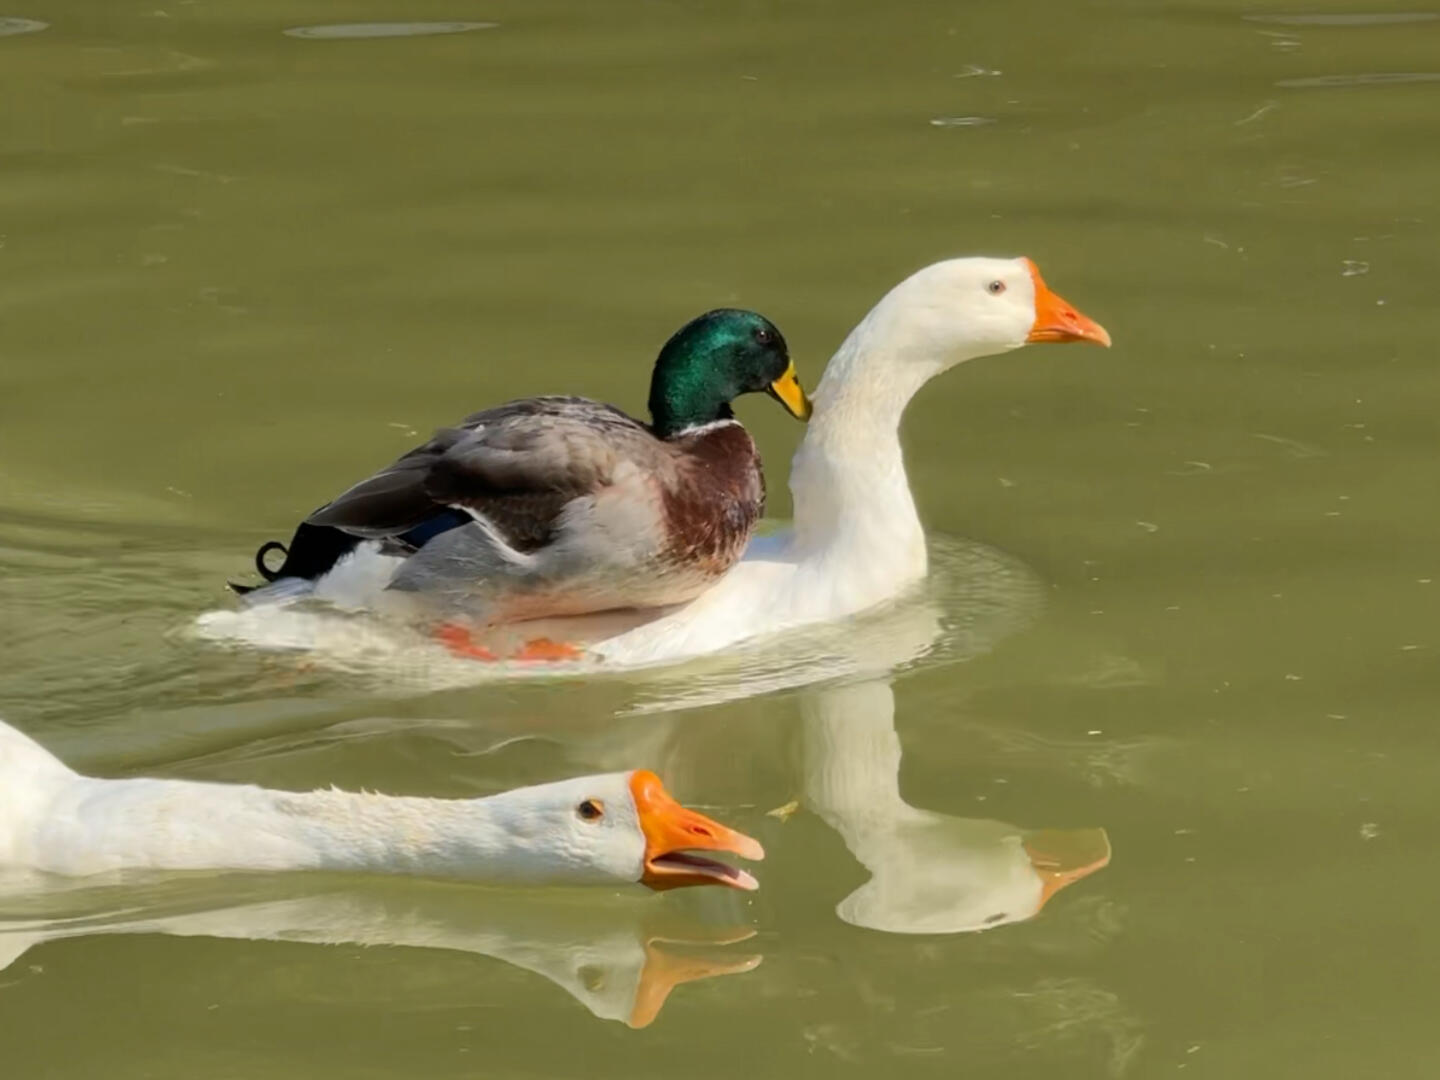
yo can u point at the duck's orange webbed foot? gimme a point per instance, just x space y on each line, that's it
461 642
543 648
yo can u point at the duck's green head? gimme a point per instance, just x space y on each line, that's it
712 360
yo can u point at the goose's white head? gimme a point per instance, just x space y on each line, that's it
617 827
961 309
941 875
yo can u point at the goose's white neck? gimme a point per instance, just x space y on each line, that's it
93 826
853 506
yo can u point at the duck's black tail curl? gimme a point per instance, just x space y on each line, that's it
265 549
260 567
312 552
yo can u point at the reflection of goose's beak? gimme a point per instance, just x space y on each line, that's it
673 834
1063 856
666 969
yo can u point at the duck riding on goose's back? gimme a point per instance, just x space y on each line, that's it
562 505
857 540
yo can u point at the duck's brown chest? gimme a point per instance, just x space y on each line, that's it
717 496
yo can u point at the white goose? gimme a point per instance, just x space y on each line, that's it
623 827
857 540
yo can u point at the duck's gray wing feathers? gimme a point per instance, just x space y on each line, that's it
392 500
517 465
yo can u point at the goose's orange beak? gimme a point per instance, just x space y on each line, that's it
673 833
1056 320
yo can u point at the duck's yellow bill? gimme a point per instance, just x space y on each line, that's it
787 390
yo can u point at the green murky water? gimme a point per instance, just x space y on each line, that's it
248 251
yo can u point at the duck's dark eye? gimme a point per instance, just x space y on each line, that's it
591 810
764 336
995 288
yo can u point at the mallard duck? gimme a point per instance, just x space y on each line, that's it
622 827
857 540
563 505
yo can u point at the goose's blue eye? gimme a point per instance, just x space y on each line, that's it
995 288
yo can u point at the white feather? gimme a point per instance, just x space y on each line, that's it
55 821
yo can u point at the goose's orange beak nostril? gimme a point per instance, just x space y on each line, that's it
1058 321
672 832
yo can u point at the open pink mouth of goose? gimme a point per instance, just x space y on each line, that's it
692 867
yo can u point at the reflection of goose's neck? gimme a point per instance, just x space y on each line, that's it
604 958
852 759
930 873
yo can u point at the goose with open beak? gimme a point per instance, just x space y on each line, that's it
610 829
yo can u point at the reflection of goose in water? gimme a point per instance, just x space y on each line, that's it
930 873
619 960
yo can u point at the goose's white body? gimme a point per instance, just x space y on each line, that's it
857 540
55 821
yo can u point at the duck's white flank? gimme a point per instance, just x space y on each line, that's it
620 827
857 540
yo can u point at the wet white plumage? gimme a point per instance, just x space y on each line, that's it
55 821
